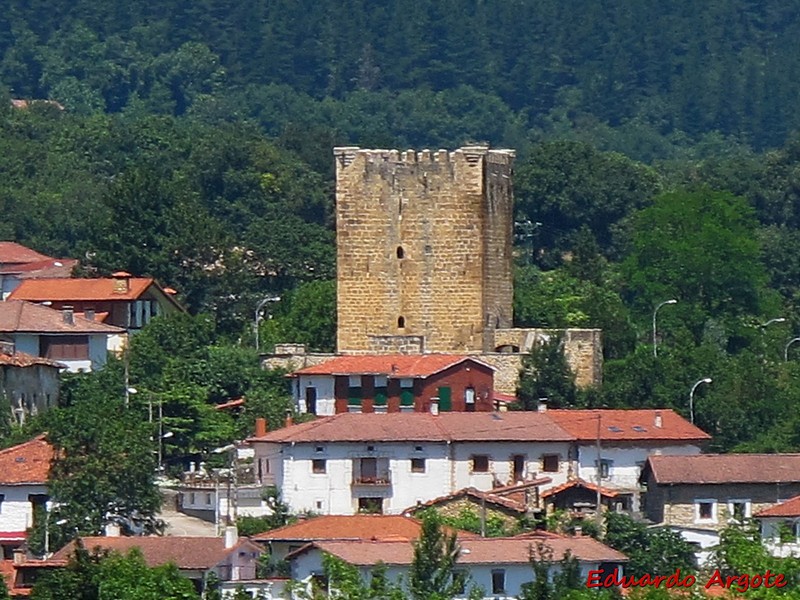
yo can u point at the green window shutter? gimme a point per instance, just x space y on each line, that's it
445 399
354 396
381 396
406 397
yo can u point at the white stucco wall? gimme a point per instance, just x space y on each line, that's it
627 462
16 511
324 384
770 536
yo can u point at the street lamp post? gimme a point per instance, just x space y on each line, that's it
257 317
691 397
786 348
655 312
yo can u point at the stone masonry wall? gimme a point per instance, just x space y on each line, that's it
414 254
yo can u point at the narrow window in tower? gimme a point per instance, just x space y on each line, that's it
400 252
401 322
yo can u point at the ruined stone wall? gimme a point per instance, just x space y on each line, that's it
423 246
583 349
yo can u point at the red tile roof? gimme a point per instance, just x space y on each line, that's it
184 552
352 527
26 464
423 427
627 425
25 317
45 269
724 468
11 252
79 290
790 508
396 366
609 493
230 404
489 551
21 359
487 497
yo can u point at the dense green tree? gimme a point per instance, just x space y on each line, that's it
431 576
545 374
653 551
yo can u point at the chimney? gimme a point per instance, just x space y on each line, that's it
289 420
658 421
112 530
231 536
542 406
261 427
88 314
19 556
578 531
122 282
69 315
434 405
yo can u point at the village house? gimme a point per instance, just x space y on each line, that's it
24 470
394 383
29 384
699 496
77 342
579 499
18 263
499 566
231 559
780 528
123 301
626 438
284 540
353 462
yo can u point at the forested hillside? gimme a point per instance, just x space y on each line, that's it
647 78
195 146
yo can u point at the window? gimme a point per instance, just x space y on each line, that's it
191 498
417 465
318 466
401 322
605 467
705 511
208 499
400 252
319 449
65 347
738 510
469 399
406 395
445 399
354 393
518 467
318 504
480 464
498 581
2 499
550 463
372 506
381 391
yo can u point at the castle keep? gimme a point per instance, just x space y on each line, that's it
424 249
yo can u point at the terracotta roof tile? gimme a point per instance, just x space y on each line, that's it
352 527
478 495
11 252
21 359
45 269
627 425
396 366
79 290
790 508
25 317
494 551
447 426
725 468
609 493
26 464
184 552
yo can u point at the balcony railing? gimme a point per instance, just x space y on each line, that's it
381 480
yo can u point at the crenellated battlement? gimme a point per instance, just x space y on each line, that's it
346 155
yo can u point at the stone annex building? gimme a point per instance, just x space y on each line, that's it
425 262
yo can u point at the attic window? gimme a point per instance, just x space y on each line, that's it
20 459
615 429
639 428
400 252
401 322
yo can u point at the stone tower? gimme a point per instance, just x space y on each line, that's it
423 242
